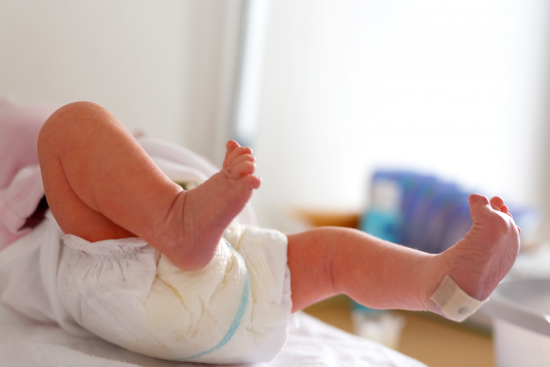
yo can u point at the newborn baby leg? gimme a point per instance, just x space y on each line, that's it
100 184
380 274
327 261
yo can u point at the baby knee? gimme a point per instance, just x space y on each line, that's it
70 122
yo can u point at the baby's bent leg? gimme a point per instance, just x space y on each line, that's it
99 183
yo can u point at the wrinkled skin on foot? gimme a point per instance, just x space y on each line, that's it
206 211
479 261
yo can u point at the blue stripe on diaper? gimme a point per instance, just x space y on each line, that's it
238 316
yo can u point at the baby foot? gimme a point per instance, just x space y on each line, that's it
479 261
208 209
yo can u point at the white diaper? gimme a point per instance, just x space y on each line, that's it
236 309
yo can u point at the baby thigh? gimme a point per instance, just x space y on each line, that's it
60 147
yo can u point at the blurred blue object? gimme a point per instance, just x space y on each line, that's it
383 219
423 212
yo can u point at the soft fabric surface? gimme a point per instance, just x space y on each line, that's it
26 343
19 127
20 124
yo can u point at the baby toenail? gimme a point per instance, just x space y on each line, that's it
463 310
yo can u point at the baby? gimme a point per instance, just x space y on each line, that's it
101 185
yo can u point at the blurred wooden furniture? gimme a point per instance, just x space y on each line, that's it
321 218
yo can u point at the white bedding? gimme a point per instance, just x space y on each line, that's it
26 343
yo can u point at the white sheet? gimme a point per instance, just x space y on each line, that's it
26 343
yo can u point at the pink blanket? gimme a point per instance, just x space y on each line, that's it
20 181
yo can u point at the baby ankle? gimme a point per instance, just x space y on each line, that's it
435 270
453 302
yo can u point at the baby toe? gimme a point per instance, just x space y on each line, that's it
477 200
230 147
485 211
478 204
252 181
238 152
243 158
497 203
242 169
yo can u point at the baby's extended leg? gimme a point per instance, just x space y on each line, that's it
379 274
100 184
332 260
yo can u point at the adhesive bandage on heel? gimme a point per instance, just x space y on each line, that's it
453 301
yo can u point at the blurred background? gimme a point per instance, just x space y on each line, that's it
326 92
332 89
